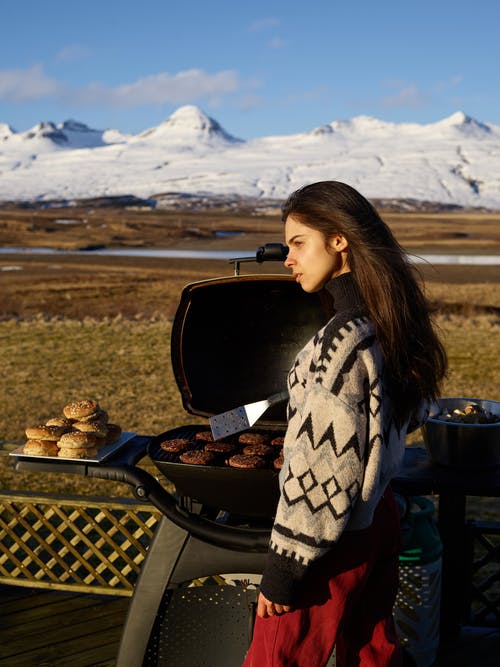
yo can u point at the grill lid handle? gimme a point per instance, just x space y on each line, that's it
272 252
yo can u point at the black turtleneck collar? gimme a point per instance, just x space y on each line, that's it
345 294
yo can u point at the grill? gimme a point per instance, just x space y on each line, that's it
252 493
233 342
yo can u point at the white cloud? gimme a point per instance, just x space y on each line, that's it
163 88
277 43
444 86
17 85
317 94
408 96
264 24
73 53
250 101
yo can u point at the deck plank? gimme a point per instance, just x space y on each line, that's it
33 607
54 628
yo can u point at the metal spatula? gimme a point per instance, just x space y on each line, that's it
239 419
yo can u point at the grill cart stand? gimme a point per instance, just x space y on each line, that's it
167 622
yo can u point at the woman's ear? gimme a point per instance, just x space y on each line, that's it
339 243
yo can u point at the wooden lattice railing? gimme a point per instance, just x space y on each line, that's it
484 562
88 545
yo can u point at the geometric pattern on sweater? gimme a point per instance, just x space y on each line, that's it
341 445
336 438
318 495
293 378
326 443
328 436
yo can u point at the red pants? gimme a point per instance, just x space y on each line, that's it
347 604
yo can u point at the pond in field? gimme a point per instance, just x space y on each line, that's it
478 260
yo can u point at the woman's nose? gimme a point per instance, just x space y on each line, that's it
289 260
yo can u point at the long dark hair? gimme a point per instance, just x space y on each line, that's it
415 359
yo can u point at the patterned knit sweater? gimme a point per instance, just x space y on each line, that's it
341 447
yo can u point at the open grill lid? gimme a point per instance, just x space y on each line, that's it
234 340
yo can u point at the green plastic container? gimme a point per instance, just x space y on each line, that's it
420 540
417 606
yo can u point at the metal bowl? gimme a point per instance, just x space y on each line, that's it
462 445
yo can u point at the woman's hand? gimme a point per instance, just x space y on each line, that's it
266 608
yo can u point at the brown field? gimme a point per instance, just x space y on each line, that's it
77 325
80 227
85 284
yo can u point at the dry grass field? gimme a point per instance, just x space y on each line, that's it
79 227
79 325
70 285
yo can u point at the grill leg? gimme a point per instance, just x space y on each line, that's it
157 569
452 529
252 612
174 557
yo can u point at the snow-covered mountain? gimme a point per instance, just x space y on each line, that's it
188 127
453 161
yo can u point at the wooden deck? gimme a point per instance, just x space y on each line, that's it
45 628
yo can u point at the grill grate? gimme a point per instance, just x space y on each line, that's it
218 485
189 432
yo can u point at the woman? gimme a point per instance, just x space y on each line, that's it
356 389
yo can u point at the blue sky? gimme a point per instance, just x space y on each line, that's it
259 68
